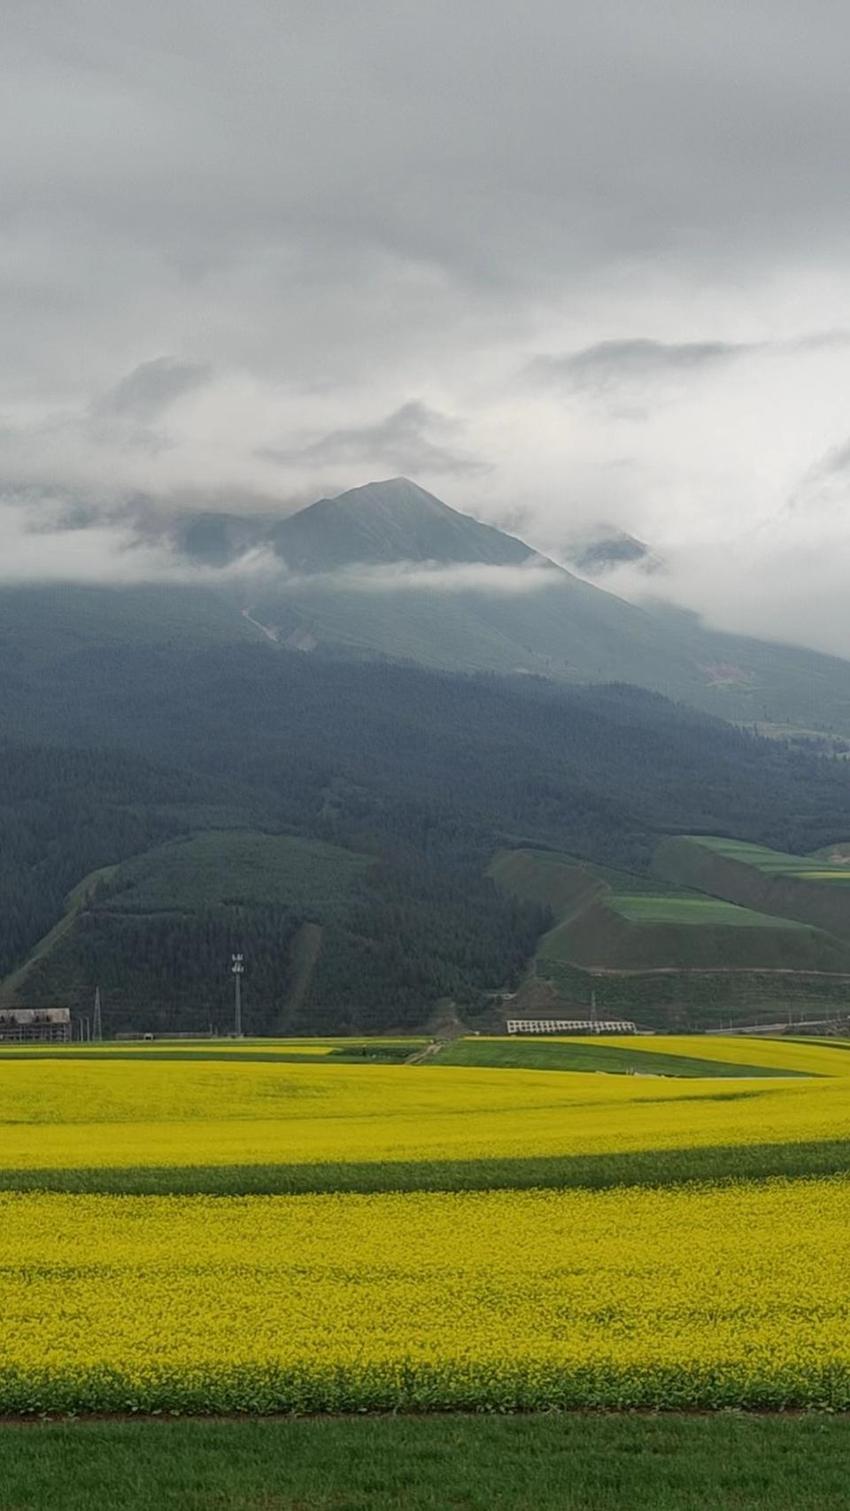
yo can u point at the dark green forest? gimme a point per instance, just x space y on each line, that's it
109 752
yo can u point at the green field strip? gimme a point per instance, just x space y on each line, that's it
534 1055
773 862
816 1041
693 912
551 1461
714 1164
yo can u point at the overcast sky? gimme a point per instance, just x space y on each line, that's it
559 262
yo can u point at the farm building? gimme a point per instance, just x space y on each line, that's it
22 1025
569 1026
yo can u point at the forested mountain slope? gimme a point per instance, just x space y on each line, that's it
113 751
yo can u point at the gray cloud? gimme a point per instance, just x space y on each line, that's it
319 211
641 360
150 389
636 361
44 542
411 439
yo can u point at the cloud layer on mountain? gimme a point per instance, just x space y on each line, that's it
559 263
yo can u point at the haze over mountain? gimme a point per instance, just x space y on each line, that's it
602 549
389 570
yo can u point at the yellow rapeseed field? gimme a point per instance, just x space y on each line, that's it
77 1114
693 1296
698 1294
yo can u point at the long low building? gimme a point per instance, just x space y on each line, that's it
569 1026
45 1025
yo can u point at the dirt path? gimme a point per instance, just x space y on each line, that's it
428 1053
713 970
263 628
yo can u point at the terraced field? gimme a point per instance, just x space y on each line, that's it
690 912
689 946
803 888
773 862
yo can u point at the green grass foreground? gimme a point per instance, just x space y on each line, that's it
650 1167
531 1463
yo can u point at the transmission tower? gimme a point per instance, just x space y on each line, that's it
238 969
97 1022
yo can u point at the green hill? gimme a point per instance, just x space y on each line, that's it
664 953
805 888
609 920
157 932
112 749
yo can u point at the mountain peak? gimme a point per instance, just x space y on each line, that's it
392 520
394 489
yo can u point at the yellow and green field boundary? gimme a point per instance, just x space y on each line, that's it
266 1229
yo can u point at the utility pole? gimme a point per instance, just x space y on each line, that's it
238 969
593 1018
97 1026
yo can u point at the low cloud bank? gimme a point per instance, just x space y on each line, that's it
533 576
51 540
41 544
788 590
729 458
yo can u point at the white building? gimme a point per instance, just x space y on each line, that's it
570 1026
25 1025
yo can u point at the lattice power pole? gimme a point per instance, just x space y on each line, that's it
97 1022
238 969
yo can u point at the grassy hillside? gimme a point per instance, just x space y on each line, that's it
686 1000
620 932
554 881
234 869
804 888
610 920
429 774
156 933
670 956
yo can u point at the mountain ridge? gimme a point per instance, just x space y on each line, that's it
389 571
389 521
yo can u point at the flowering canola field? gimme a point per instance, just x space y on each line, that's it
721 1293
99 1114
691 1296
